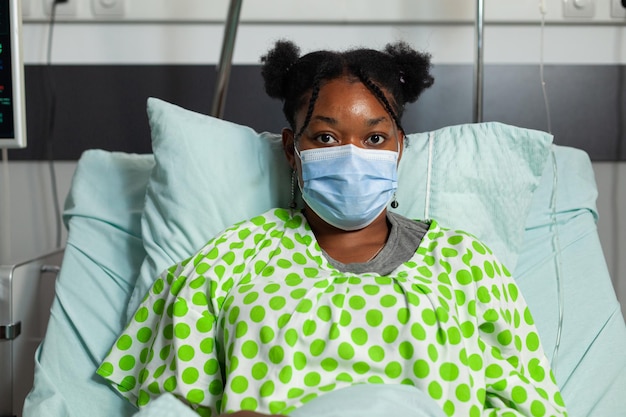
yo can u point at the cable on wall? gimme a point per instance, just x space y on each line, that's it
6 199
50 123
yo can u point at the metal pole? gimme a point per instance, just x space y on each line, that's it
478 62
226 57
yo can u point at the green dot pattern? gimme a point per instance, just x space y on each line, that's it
259 320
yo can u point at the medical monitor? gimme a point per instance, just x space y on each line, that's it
12 107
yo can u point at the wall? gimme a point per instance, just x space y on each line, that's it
105 67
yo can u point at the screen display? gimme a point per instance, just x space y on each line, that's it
7 110
12 100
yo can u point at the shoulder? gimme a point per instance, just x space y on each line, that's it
437 232
405 222
247 238
272 219
457 237
431 227
271 223
467 248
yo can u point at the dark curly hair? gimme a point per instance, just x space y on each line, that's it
398 70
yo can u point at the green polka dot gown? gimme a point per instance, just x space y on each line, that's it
259 320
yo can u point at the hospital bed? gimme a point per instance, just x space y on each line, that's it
129 216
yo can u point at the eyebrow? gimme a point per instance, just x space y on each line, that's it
333 121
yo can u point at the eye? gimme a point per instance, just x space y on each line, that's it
376 140
325 139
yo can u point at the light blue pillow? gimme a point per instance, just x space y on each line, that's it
102 257
475 177
211 173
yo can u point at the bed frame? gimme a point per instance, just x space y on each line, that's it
26 294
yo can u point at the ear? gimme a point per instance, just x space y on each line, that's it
288 147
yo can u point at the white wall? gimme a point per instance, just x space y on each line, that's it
153 31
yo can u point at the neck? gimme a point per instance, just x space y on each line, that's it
349 246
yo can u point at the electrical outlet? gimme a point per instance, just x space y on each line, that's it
63 8
618 8
108 8
579 8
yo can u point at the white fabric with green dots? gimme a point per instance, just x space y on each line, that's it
259 320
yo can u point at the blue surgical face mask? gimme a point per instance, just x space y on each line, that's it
347 186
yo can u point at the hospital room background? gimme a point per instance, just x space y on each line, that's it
93 68
552 65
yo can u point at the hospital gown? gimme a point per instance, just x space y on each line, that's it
260 320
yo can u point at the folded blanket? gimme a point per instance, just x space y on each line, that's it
376 400
166 406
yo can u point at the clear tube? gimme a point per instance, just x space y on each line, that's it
556 248
542 9
556 244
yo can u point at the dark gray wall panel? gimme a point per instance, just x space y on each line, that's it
104 106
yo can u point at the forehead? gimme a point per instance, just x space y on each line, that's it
347 97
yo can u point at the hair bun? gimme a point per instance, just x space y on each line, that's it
414 69
276 65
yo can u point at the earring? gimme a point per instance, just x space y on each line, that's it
293 204
394 202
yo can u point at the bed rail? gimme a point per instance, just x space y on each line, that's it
26 294
479 29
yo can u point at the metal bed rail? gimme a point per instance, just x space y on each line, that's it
26 294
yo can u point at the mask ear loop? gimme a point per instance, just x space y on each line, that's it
294 177
293 205
394 200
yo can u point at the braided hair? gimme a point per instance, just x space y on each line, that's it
398 70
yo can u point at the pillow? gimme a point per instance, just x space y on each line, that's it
102 258
475 177
211 173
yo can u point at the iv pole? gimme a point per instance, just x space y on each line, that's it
228 44
478 61
226 58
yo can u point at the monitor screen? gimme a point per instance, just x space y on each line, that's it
12 109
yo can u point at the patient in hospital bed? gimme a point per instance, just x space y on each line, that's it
340 300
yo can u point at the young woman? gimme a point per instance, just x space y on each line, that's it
299 304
